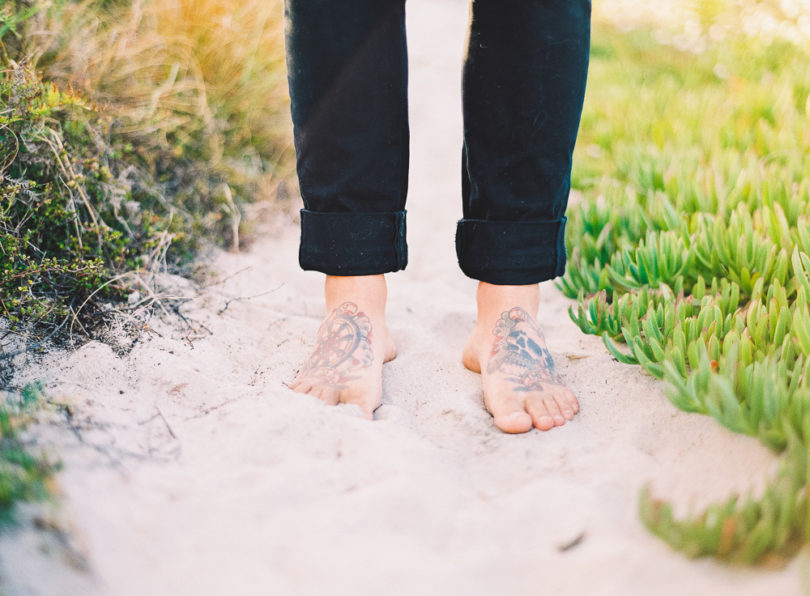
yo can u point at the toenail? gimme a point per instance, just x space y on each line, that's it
559 419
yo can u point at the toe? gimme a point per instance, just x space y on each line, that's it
302 387
367 398
567 401
510 416
565 406
329 396
541 417
516 422
554 410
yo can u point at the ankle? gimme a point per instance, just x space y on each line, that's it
369 292
493 300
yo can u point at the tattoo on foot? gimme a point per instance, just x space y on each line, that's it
343 348
519 352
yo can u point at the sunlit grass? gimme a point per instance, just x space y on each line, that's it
697 25
204 77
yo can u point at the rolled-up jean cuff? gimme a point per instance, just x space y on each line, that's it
511 252
353 243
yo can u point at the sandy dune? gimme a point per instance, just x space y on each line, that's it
189 469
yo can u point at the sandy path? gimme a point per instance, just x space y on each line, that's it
195 472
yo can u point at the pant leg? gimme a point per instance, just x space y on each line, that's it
523 89
347 71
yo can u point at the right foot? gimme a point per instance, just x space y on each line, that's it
352 344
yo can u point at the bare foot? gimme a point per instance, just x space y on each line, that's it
352 344
521 388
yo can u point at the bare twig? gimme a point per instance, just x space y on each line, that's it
239 298
96 291
166 422
226 278
34 346
76 320
156 298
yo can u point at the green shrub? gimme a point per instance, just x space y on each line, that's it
24 475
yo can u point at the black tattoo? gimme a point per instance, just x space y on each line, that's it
519 352
343 348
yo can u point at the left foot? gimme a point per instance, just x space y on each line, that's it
521 387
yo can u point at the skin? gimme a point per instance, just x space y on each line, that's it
352 344
521 388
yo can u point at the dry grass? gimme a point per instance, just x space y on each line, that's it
204 78
695 25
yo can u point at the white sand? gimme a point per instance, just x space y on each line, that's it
199 473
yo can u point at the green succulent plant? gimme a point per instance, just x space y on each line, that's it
690 256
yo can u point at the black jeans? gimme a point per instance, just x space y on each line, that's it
523 87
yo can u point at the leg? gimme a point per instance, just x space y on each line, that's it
347 69
524 84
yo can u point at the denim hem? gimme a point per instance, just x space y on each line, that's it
511 252
353 243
